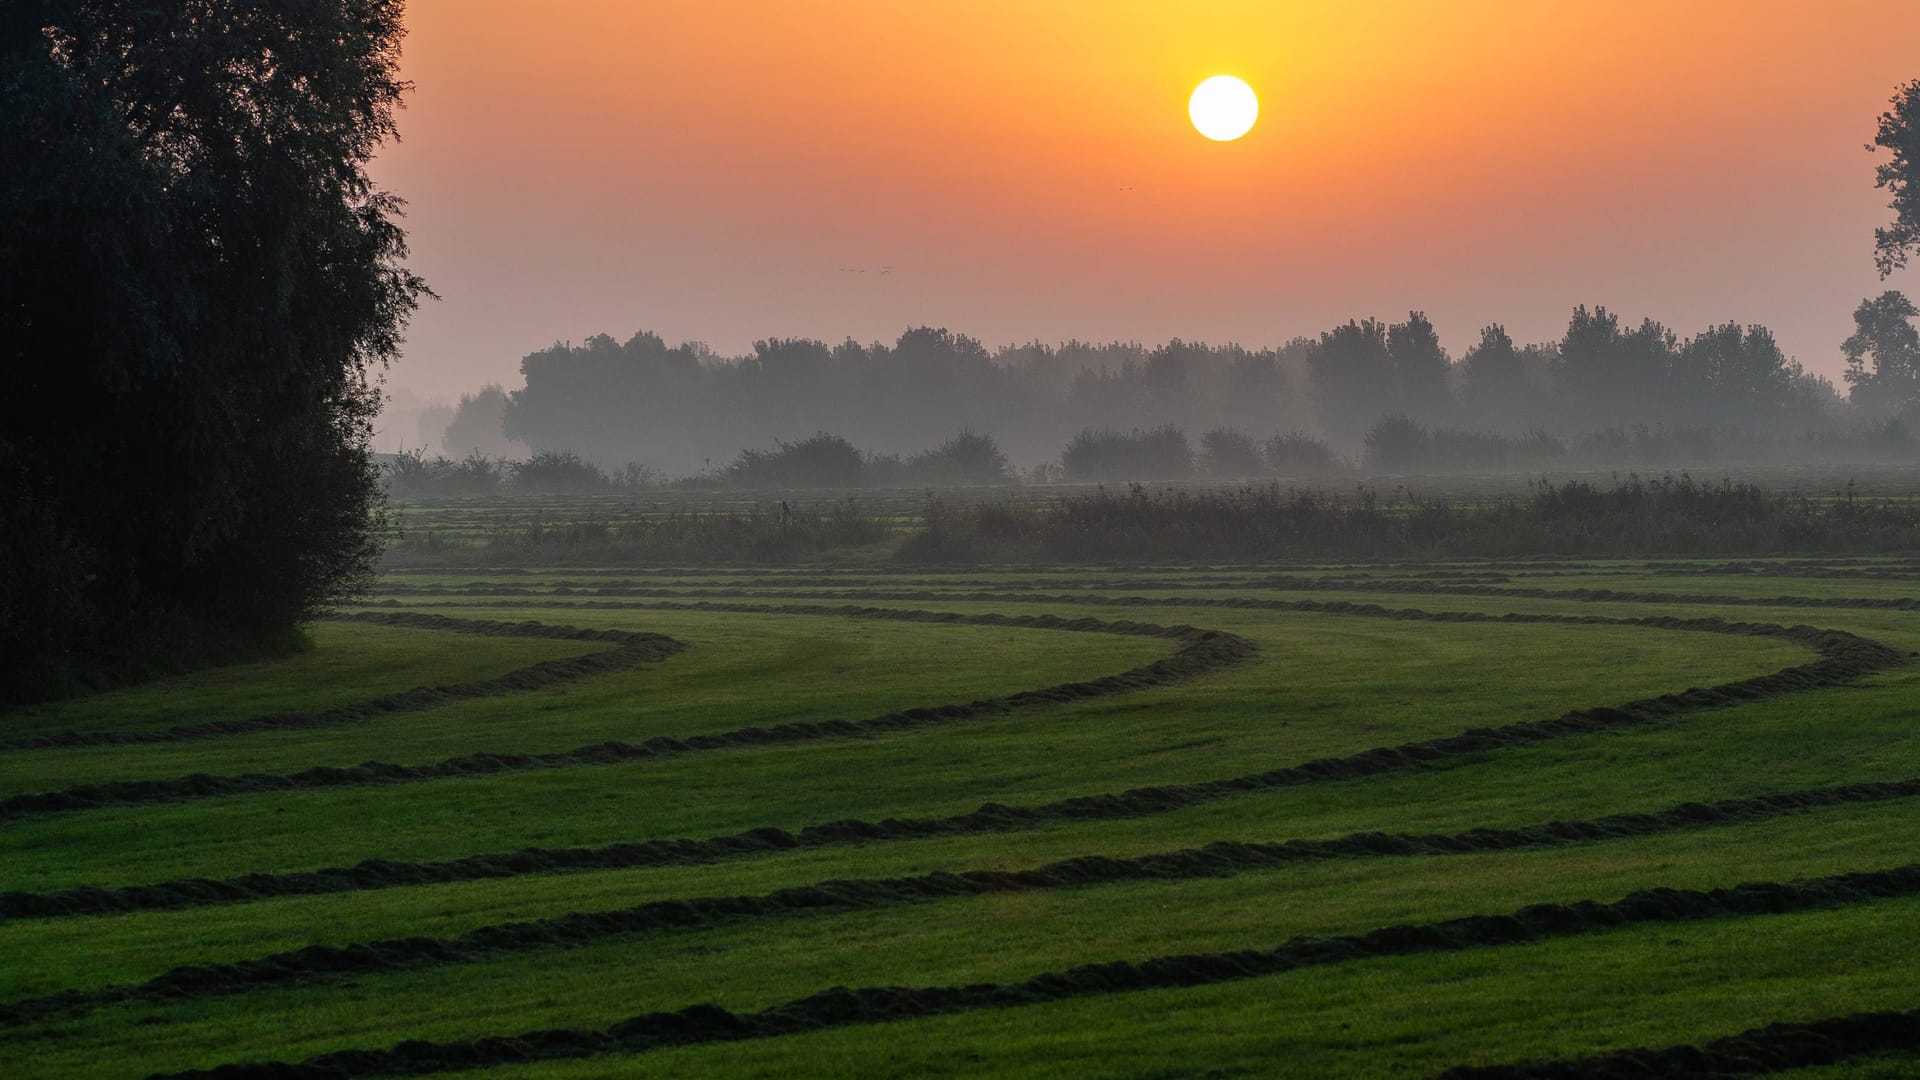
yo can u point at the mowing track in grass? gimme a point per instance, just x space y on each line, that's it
842 1007
1774 1048
318 962
631 649
1200 652
1843 658
1025 593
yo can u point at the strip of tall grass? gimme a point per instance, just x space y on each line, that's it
1635 516
779 533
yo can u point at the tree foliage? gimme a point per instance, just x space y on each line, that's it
478 423
1226 454
967 458
1883 354
1899 135
1161 453
200 284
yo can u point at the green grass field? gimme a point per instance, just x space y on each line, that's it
1345 821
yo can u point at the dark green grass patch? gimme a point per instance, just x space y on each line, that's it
1320 686
344 664
1404 1016
952 943
738 671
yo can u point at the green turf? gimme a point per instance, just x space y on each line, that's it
995 938
346 663
1322 684
739 671
1404 1016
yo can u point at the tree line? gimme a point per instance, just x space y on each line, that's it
1396 444
686 410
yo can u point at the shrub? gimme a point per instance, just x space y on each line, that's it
1299 454
1160 453
552 472
1396 444
967 458
1634 517
634 476
1226 454
412 473
821 460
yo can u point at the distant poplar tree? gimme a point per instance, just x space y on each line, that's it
1494 379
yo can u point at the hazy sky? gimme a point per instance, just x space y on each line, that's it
716 169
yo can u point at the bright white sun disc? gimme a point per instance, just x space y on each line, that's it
1223 108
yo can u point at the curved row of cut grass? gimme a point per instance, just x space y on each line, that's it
1430 679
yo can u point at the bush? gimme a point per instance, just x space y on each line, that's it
558 473
1226 454
1635 517
1301 455
412 473
1396 444
967 458
635 477
781 533
821 460
1161 453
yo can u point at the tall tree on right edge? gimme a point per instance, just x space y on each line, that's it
1883 354
1899 135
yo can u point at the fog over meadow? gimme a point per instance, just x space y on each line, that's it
1609 391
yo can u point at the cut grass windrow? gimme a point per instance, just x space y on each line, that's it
1812 568
1843 657
631 649
1245 603
842 1007
318 962
1771 1049
1009 590
1200 652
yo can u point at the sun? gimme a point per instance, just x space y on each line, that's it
1223 108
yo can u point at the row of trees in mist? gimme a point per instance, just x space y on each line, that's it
820 460
684 409
1396 444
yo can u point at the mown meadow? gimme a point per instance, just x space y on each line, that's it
1459 818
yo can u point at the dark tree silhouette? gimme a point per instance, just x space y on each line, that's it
1899 135
1614 376
478 424
1493 386
1226 454
1734 376
1883 355
1159 454
199 284
683 409
1350 369
967 458
1421 369
821 460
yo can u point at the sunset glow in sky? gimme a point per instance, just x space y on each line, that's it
728 170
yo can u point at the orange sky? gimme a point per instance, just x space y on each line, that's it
706 169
